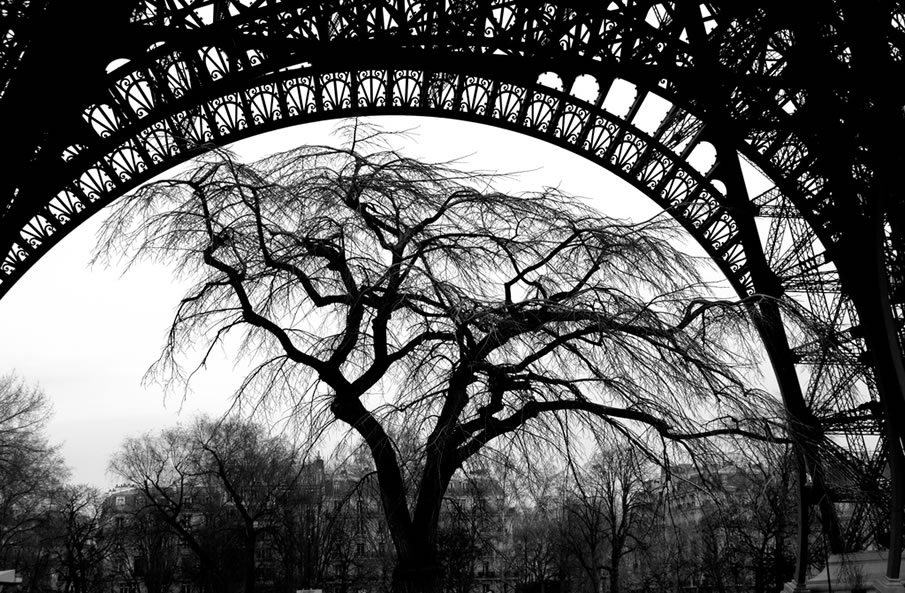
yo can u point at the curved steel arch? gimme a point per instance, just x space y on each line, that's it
187 72
230 69
134 144
194 51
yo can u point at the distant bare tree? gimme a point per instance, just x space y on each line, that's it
607 513
471 525
143 534
31 470
536 557
219 486
77 538
748 528
402 297
24 412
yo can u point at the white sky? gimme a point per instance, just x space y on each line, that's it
87 335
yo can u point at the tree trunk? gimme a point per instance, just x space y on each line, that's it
418 574
759 570
779 560
249 561
614 574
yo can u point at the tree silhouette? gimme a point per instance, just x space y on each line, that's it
77 540
31 471
402 297
220 487
606 513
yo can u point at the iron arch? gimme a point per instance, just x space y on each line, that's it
235 68
132 147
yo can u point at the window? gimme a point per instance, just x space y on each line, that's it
264 553
120 501
120 522
360 549
138 566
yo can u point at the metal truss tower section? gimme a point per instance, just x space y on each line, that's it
677 98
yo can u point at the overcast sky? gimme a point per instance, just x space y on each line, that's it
88 334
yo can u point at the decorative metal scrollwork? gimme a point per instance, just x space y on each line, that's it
571 123
257 71
407 88
442 92
158 142
540 110
264 104
136 91
64 206
372 88
95 183
216 62
229 114
475 95
300 96
179 78
337 91
127 162
103 120
508 104
653 172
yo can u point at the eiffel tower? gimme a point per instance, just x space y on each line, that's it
98 97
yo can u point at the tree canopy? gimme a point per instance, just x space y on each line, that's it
402 297
31 471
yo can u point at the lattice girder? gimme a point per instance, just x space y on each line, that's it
162 104
240 41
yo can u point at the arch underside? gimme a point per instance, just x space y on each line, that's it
197 73
217 70
135 151
253 66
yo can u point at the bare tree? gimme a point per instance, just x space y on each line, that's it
220 486
471 529
30 471
398 297
606 513
748 526
142 546
24 412
535 558
354 542
77 538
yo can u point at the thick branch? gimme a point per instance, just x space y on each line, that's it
496 427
